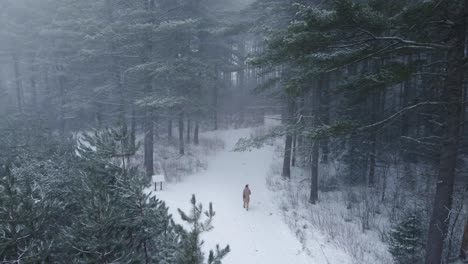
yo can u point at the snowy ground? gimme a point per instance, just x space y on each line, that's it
259 235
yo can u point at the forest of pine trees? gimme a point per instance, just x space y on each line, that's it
375 88
378 87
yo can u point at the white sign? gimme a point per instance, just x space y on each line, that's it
158 178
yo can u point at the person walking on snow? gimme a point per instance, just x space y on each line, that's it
246 196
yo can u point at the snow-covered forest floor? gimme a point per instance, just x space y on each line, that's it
176 167
336 218
260 235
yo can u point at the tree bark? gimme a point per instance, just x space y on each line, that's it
61 82
149 144
287 157
133 126
19 84
148 123
314 166
169 130
181 134
189 127
315 152
215 100
116 71
195 133
215 107
32 80
288 142
377 108
325 114
464 244
372 154
241 82
452 94
294 150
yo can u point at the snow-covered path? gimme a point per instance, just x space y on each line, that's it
257 236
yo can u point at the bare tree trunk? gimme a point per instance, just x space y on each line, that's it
325 114
215 101
294 150
32 80
148 122
287 157
19 84
116 71
149 144
195 133
189 127
377 105
452 94
407 119
315 153
464 244
61 83
133 126
215 107
181 134
288 143
241 82
99 116
372 156
169 130
314 166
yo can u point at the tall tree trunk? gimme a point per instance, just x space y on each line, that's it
47 89
148 88
288 142
314 173
376 109
98 115
215 107
294 150
287 157
19 84
372 156
169 130
464 244
407 120
373 142
149 144
300 139
452 94
133 127
32 80
181 134
325 114
195 132
61 83
116 71
215 101
241 82
315 152
189 127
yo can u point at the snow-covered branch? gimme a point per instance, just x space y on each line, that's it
399 113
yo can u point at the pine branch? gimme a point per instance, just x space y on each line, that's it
398 114
382 50
404 41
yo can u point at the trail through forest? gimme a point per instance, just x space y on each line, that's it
257 236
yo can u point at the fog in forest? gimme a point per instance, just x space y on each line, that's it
130 128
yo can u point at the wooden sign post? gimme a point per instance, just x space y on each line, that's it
159 178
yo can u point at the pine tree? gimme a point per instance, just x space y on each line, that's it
406 240
116 221
191 242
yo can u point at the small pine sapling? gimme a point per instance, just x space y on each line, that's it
191 244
